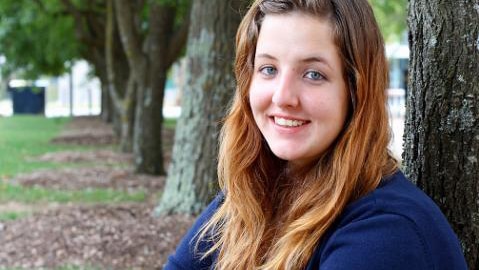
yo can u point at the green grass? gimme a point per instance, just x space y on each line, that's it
169 123
24 137
21 194
5 216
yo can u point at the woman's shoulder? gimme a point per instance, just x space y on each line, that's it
395 195
187 254
396 226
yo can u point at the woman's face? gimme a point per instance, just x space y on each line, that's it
298 95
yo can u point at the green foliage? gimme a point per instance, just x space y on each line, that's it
36 38
23 137
392 17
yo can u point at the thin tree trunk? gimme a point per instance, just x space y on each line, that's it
442 118
106 104
128 104
121 104
192 178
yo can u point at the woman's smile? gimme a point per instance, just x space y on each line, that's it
288 121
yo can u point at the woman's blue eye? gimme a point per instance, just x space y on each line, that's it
269 71
314 75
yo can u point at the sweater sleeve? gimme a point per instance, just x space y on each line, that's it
385 241
185 257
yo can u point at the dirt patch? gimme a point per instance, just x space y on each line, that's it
110 237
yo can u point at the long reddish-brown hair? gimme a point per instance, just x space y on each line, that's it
248 230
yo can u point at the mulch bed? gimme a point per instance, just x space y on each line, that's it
86 130
100 156
93 177
114 236
110 237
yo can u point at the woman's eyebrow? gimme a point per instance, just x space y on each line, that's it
319 59
265 55
309 59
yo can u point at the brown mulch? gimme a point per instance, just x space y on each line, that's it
86 130
100 156
109 237
103 236
93 177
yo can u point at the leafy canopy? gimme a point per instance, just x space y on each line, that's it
392 17
36 38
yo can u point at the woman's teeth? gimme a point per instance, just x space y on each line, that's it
288 122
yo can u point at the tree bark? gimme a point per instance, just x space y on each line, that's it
442 117
149 59
106 110
192 178
123 104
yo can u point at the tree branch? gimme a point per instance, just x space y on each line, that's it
130 37
109 32
81 32
71 8
178 41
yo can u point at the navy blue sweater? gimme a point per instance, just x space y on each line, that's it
394 227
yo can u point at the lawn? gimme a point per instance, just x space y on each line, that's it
24 137
32 195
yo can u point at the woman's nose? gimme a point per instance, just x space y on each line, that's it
285 93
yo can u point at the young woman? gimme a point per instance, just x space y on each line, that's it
307 180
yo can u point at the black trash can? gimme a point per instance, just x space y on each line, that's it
28 100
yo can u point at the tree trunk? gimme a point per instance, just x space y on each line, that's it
106 104
147 141
149 58
442 118
192 178
122 102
